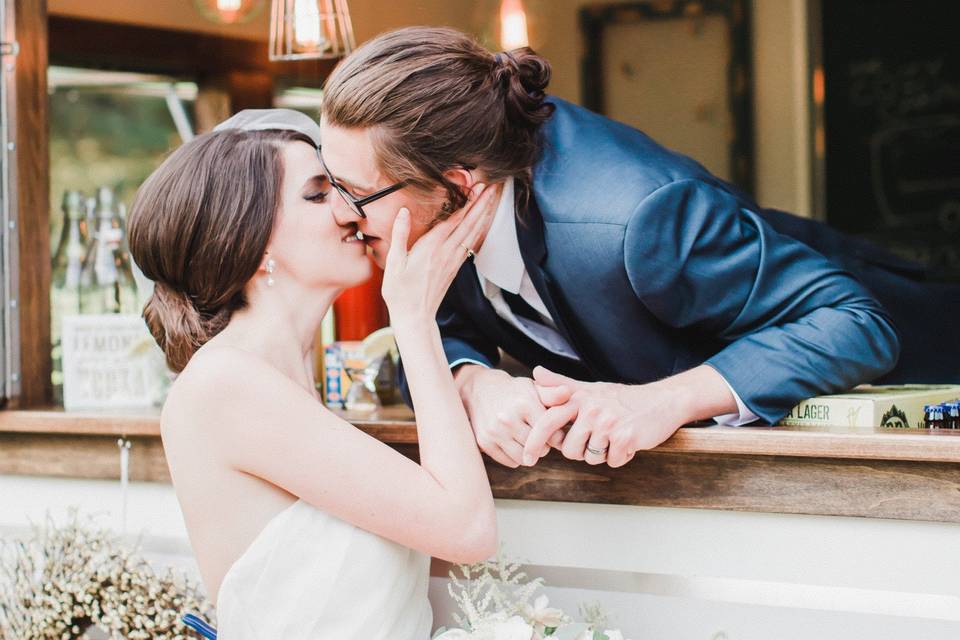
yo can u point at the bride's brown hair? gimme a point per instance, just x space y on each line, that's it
199 227
435 100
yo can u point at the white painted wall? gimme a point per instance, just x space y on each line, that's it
782 143
662 573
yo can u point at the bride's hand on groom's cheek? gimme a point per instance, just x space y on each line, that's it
416 279
610 422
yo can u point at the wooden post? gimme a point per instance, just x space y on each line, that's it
33 194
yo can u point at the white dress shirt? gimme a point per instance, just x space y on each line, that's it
500 268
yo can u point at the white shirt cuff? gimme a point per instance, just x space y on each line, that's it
744 415
457 363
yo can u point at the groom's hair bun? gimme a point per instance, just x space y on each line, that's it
434 99
524 76
199 227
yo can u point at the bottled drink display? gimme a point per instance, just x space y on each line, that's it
92 272
65 275
106 281
945 415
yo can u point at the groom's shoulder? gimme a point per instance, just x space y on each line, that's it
594 168
575 135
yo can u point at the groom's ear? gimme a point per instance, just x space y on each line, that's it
463 178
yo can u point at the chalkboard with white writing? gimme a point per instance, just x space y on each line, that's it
892 124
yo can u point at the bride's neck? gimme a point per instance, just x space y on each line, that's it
280 325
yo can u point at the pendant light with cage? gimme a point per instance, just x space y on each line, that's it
310 29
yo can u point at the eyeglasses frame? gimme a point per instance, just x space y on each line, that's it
357 204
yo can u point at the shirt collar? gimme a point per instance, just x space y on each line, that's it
499 259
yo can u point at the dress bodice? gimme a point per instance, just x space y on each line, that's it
309 575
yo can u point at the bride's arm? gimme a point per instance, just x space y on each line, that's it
273 429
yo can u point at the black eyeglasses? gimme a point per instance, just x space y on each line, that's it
357 204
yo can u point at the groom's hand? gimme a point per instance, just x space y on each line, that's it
615 419
502 410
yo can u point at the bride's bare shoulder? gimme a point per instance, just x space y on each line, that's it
215 383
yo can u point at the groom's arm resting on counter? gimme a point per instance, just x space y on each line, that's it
797 325
621 418
794 323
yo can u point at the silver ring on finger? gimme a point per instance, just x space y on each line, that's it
597 452
470 253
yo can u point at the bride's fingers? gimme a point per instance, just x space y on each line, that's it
397 254
477 211
450 232
481 223
439 233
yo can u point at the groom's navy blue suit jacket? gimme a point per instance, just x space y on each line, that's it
649 266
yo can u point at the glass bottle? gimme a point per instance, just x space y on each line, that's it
106 282
129 301
90 207
65 277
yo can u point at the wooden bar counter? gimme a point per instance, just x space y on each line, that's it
881 473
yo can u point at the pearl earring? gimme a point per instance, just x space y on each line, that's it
271 265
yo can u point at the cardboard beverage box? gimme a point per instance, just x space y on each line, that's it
336 358
869 406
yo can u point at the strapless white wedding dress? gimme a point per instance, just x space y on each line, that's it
309 575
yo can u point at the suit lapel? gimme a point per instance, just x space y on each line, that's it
475 305
533 247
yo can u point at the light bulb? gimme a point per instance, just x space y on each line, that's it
306 21
513 25
229 11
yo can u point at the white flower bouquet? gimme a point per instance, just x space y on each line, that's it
68 579
494 598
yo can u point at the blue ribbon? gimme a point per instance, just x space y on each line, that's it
200 625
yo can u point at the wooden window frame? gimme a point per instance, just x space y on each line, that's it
231 73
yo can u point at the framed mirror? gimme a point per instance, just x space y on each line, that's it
678 70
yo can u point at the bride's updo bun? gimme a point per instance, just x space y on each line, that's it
199 227
436 100
178 326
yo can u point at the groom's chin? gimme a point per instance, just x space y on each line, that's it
377 250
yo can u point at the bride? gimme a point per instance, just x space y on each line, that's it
303 526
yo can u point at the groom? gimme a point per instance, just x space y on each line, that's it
650 293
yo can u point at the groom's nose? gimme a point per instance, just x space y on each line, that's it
342 213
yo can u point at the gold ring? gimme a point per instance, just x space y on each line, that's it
470 253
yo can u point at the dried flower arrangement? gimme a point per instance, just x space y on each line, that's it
494 597
69 578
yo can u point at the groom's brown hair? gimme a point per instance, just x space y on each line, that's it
436 100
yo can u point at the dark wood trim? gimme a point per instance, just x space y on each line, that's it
924 491
79 456
33 197
594 19
773 484
212 105
908 474
220 95
109 45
